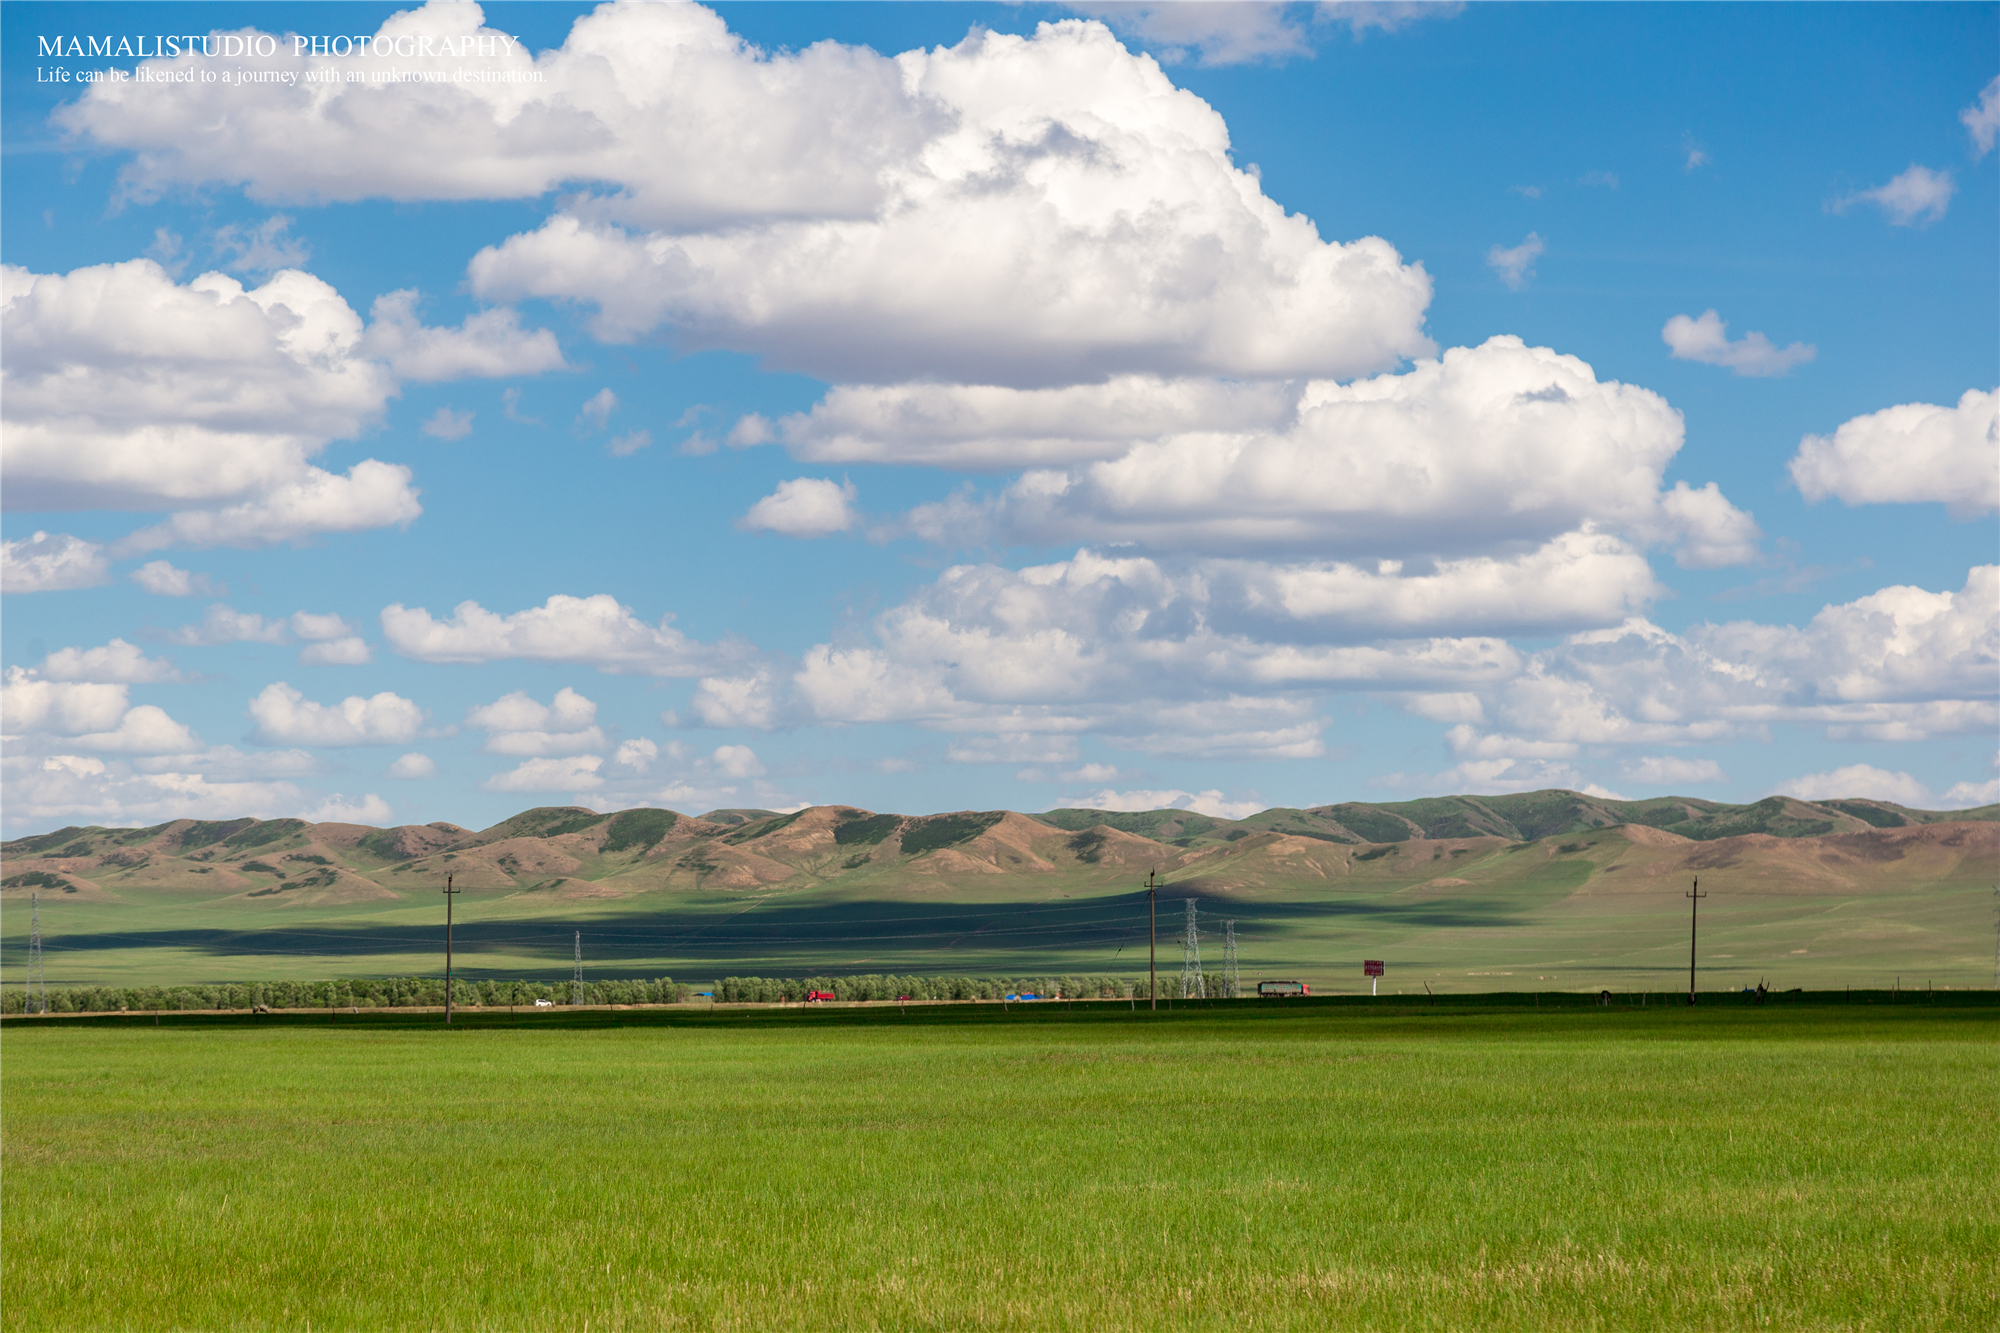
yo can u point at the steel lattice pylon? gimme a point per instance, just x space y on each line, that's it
1232 982
1191 982
576 987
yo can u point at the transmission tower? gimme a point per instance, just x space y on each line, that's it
38 980
576 990
1191 984
1996 939
1232 981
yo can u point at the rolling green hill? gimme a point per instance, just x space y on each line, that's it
1463 893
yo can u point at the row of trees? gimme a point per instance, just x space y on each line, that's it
412 992
362 993
778 990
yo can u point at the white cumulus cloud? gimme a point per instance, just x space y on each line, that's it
1479 451
996 427
1202 803
576 773
593 631
163 580
737 761
1057 211
1918 197
337 809
50 790
487 344
636 754
222 624
1858 782
29 703
350 651
1899 664
52 562
284 716
144 729
516 724
412 766
115 662
804 507
1706 340
125 389
1982 119
1910 454
1963 795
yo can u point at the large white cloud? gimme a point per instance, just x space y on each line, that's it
52 562
1067 214
29 703
44 791
1483 449
1899 664
87 714
1863 781
284 716
680 121
1158 658
1222 658
594 631
1910 454
115 662
125 389
330 640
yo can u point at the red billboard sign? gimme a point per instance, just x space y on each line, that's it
1371 967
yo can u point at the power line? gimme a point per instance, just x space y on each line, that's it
1191 983
449 892
1695 895
38 979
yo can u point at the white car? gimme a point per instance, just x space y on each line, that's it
545 1004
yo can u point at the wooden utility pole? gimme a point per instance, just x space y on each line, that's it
448 892
1695 895
1152 941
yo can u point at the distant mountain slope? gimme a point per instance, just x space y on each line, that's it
1546 814
571 851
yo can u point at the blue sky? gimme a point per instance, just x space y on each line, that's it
929 407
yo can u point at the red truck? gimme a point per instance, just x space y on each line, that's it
814 995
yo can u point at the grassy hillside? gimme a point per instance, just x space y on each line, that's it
1460 893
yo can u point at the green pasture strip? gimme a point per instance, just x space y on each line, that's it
1532 931
1268 1165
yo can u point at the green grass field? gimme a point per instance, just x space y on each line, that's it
1799 1166
1543 928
